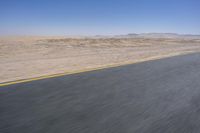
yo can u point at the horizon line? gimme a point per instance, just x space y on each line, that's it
96 35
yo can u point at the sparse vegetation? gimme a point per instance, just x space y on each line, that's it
25 57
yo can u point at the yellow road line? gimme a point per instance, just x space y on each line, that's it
86 70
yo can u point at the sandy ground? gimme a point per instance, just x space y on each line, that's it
27 57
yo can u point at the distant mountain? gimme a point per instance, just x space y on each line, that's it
158 35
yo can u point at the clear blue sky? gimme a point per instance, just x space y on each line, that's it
92 17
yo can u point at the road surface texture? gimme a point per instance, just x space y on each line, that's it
161 96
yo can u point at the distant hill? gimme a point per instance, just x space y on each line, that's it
158 35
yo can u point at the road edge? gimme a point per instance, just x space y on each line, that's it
94 69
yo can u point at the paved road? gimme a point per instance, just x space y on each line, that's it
160 96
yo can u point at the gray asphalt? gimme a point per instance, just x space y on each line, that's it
161 96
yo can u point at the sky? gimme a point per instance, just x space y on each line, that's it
98 17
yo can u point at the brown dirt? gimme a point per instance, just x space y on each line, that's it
27 57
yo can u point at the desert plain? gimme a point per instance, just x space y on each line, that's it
26 57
